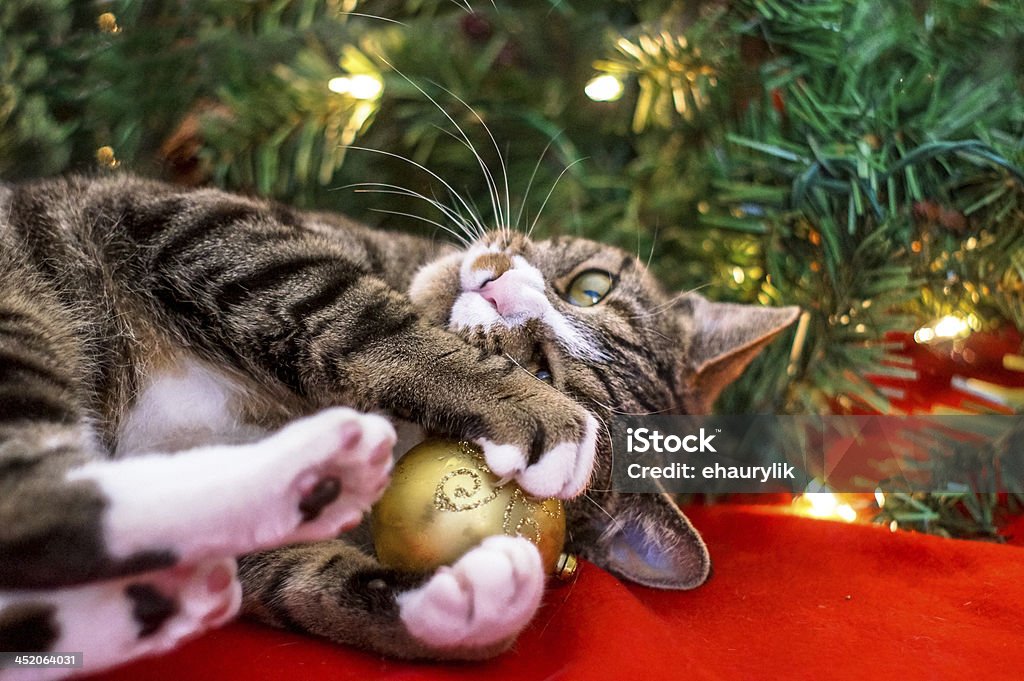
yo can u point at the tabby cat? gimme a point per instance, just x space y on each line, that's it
187 376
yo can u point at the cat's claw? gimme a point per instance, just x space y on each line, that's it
563 471
482 602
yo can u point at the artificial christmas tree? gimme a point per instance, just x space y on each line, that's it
856 160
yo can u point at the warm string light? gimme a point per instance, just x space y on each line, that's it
362 86
993 392
826 505
604 88
880 500
949 327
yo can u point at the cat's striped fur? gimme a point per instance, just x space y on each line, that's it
137 317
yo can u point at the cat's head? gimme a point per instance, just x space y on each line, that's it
590 320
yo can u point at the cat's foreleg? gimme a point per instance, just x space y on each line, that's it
273 296
119 620
471 610
308 481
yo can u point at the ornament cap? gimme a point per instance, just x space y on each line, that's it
566 567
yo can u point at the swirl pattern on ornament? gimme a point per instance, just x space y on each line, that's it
463 494
466 489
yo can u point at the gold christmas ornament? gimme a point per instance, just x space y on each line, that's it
105 157
107 23
443 500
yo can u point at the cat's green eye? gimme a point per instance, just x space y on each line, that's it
589 288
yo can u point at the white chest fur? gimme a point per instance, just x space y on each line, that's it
184 404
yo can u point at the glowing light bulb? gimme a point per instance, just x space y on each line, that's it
846 513
947 327
924 335
605 88
340 84
365 86
822 504
359 86
827 505
952 327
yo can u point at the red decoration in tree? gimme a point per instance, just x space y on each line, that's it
969 374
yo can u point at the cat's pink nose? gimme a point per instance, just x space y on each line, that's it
499 294
512 294
513 287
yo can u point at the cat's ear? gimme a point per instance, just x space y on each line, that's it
649 541
723 339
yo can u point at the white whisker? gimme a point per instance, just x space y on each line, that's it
492 186
647 265
620 412
606 407
471 228
445 228
508 196
668 304
514 361
502 221
599 506
386 188
450 213
477 209
430 172
488 178
550 192
372 16
533 176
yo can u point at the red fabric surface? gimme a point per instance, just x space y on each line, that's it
790 598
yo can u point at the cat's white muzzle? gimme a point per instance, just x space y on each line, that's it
502 291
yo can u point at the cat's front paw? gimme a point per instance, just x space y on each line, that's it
341 462
481 603
557 459
119 620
